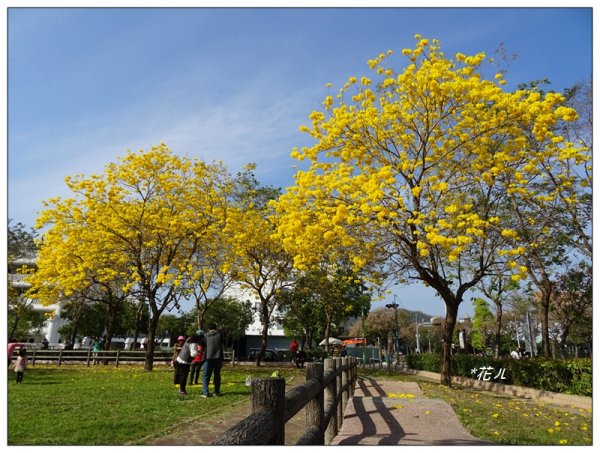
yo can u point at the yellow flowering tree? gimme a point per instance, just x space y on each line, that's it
75 264
257 261
414 169
134 229
208 279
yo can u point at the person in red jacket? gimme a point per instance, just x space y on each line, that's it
294 348
197 361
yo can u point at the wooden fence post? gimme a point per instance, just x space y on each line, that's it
338 397
345 385
60 357
89 355
315 407
354 376
117 358
268 395
33 358
330 398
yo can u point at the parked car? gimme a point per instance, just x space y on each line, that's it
269 356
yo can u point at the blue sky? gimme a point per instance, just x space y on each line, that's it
87 84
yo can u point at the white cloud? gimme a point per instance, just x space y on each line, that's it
258 124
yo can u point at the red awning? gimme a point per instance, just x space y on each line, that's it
356 341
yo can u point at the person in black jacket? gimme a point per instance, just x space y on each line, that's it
213 360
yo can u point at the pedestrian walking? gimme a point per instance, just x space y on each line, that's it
213 361
86 343
11 348
96 349
176 350
300 359
293 350
188 351
197 361
128 343
21 364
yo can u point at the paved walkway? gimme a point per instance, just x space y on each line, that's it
381 412
386 412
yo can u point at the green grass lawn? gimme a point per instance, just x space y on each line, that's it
506 420
513 421
104 405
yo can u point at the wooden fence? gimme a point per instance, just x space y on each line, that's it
87 356
325 392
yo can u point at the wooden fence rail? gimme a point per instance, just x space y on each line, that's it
87 356
327 388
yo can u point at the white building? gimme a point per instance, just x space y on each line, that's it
53 323
253 333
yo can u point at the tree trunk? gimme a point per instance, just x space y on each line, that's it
498 334
110 324
327 335
138 317
546 295
152 326
16 318
562 340
264 318
200 312
449 324
76 322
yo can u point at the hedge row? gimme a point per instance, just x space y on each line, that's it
573 376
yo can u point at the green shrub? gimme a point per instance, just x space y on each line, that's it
316 355
572 376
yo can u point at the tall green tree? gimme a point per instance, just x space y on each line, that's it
483 324
572 305
496 287
302 317
232 317
21 253
320 300
20 241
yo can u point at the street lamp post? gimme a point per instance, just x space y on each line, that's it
418 348
395 332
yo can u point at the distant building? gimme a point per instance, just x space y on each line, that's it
253 334
51 325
